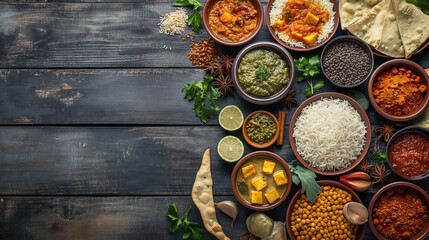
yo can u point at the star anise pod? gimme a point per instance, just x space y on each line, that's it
227 62
289 100
364 166
380 174
214 68
224 84
386 130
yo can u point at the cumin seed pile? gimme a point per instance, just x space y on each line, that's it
204 52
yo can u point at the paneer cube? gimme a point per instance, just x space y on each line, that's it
272 195
259 183
310 39
256 197
225 17
280 178
268 167
311 19
248 170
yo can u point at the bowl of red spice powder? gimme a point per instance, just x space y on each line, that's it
399 211
398 90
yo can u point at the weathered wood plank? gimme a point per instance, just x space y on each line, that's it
96 35
114 96
117 160
112 217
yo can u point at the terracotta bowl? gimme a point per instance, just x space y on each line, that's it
208 6
271 156
256 145
410 129
295 198
417 69
363 116
416 189
273 98
360 43
274 35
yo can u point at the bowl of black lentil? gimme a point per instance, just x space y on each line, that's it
261 129
347 61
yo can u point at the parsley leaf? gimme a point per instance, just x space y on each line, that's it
194 20
263 72
359 97
380 157
306 177
309 68
175 220
187 3
189 228
198 91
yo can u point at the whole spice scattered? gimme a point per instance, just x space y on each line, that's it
214 69
380 174
399 214
188 227
229 208
224 84
204 52
309 68
281 118
364 166
386 130
227 62
306 177
289 100
358 181
399 91
346 63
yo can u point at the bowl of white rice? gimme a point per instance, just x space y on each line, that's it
274 12
330 133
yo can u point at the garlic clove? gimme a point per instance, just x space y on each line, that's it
355 213
357 185
278 233
229 208
357 176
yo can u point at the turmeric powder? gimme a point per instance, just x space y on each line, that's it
398 91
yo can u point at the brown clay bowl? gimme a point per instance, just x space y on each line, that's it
417 69
208 6
409 186
295 198
271 156
363 116
274 35
256 145
377 53
271 47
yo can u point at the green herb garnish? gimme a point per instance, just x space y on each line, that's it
188 227
198 91
289 16
263 73
194 20
380 157
243 188
359 97
421 4
306 177
309 68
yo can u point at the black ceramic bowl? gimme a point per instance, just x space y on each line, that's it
410 129
360 43
273 98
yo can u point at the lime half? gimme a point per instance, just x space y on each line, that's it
230 149
231 118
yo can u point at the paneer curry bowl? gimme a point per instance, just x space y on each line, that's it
233 22
261 180
302 24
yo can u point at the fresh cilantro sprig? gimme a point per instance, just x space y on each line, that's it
359 97
198 91
309 68
421 4
188 227
306 177
380 157
194 20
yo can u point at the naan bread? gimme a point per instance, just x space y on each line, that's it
202 195
391 43
413 26
370 27
352 10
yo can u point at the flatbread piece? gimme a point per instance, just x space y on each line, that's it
202 195
352 10
413 25
370 27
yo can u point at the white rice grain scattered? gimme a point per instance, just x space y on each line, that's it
174 22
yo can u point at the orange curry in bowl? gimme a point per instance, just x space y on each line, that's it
233 20
302 21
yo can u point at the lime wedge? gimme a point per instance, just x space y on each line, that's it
231 118
230 149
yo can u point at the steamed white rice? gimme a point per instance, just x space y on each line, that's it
327 28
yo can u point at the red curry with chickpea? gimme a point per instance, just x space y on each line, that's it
233 20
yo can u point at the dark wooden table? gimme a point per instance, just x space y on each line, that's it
96 140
